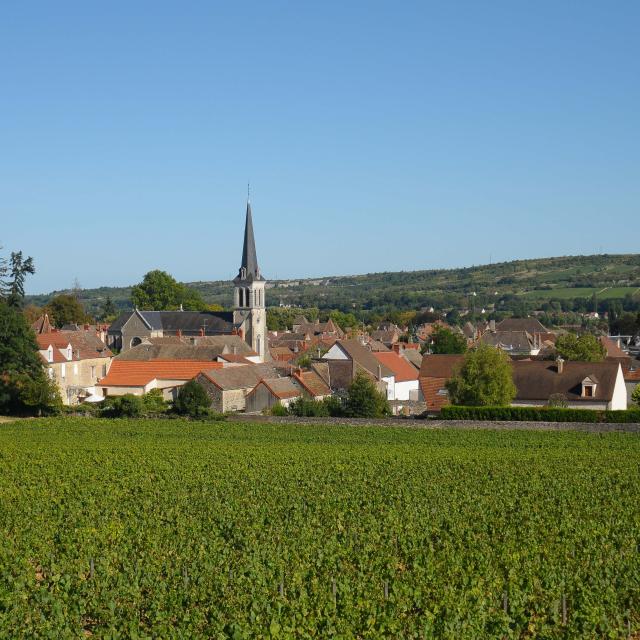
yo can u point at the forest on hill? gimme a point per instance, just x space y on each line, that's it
572 283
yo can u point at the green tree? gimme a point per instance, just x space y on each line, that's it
444 340
24 383
584 348
635 395
19 269
192 400
126 406
109 310
66 309
344 320
484 379
364 400
160 291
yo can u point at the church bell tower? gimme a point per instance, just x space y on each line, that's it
249 315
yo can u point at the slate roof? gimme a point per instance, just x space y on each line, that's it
183 350
249 270
188 322
133 373
531 325
508 340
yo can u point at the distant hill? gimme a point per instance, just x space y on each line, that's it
535 281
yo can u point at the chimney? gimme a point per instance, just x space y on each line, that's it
201 332
560 364
299 372
379 372
492 325
235 349
179 333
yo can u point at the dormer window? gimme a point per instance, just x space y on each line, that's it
589 385
50 354
69 353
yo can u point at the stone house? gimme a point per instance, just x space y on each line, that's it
76 360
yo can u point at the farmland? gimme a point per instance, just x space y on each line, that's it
181 529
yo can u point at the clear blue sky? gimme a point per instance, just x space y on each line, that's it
377 136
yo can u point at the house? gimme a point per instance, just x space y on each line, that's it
132 327
75 360
530 325
247 320
271 391
435 371
317 328
349 357
631 375
585 385
313 385
589 385
190 348
228 387
141 376
514 342
405 376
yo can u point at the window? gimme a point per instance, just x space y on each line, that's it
75 369
63 370
50 354
93 371
588 391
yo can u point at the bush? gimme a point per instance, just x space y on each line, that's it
154 402
364 400
278 410
533 414
126 406
630 415
192 400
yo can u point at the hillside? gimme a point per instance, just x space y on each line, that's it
534 281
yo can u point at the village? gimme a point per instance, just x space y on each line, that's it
245 367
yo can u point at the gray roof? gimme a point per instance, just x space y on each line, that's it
240 377
207 348
531 325
537 380
189 322
249 269
508 340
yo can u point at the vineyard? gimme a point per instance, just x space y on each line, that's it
175 529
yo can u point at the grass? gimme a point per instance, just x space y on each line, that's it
604 293
239 530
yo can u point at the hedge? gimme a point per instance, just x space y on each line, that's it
537 414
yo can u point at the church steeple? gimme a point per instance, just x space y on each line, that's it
249 267
249 315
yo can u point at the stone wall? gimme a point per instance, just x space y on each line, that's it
633 427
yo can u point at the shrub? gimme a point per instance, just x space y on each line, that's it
635 395
278 410
126 406
533 414
364 400
192 400
154 402
558 400
484 379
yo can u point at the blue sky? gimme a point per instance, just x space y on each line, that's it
377 136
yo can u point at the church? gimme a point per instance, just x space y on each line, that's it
247 320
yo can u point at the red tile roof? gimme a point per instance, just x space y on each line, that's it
138 373
402 369
312 383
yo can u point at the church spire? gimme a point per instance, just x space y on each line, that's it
249 266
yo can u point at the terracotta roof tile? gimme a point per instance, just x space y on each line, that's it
402 369
136 373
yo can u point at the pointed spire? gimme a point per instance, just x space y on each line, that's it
249 258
